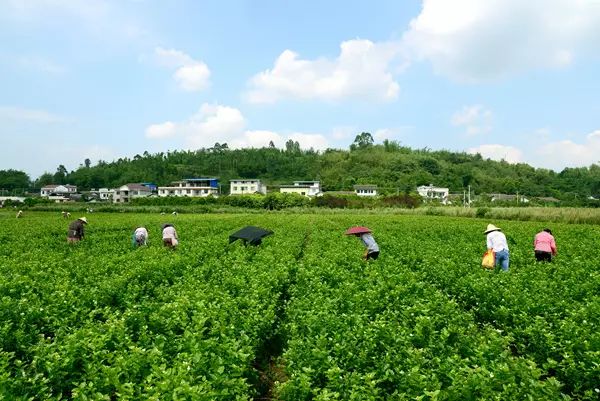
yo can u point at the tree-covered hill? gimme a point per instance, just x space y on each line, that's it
394 168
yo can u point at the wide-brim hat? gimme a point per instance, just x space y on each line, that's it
491 228
83 219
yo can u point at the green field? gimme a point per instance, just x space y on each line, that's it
301 317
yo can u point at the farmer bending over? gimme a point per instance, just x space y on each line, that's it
76 230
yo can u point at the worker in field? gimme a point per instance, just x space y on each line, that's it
371 247
366 236
19 214
496 241
76 230
140 236
544 246
169 234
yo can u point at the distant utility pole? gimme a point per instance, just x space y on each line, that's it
469 195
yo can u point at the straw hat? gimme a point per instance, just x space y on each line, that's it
491 228
83 219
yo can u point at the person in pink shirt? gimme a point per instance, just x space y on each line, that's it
544 246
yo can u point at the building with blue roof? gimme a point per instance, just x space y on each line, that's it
194 187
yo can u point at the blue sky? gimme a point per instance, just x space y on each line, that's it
104 79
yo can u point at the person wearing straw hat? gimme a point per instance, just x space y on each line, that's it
496 241
76 231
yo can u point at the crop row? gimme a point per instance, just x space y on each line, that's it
550 312
97 321
374 331
101 320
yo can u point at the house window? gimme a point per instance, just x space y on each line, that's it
235 188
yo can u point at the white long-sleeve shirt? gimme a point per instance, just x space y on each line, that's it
141 234
496 240
169 232
369 242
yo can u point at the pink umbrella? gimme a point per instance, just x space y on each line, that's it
357 230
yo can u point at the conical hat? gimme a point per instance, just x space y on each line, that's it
83 219
491 228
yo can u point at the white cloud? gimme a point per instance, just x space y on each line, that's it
567 153
172 58
20 114
161 131
362 70
191 75
307 141
474 40
385 133
257 139
214 123
217 123
49 154
475 119
498 152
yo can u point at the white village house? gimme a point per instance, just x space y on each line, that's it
105 193
194 187
242 186
365 190
429 192
304 188
125 193
102 194
58 190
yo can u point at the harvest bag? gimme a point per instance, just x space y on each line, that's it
489 260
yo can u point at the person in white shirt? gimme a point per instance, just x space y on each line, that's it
496 241
372 249
170 238
140 236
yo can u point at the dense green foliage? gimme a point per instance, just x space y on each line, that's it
392 167
100 320
13 179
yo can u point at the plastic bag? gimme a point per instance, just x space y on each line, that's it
489 260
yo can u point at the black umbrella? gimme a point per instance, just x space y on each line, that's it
250 234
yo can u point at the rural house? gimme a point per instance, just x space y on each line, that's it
365 190
304 188
102 194
242 186
429 192
60 193
125 193
58 190
194 187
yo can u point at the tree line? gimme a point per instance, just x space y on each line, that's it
394 168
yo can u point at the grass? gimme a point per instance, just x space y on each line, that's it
569 215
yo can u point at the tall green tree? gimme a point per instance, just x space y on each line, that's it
362 141
14 179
